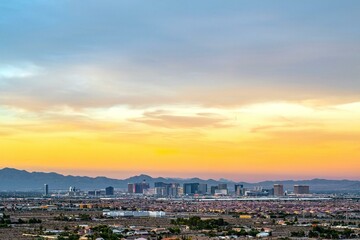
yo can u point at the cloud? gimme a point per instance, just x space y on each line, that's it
22 70
99 86
326 138
290 124
167 119
233 55
6 133
79 86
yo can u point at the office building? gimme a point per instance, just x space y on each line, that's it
73 191
222 186
174 190
96 193
162 189
191 188
202 188
239 190
166 189
130 188
109 191
144 186
301 189
213 189
138 187
256 193
181 191
91 193
278 190
221 189
270 191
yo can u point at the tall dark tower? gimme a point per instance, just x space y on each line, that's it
46 190
109 191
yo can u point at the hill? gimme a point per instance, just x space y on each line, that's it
20 180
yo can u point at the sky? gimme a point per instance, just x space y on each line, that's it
244 90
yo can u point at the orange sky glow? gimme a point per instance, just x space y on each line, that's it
260 141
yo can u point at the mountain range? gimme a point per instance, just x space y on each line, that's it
20 180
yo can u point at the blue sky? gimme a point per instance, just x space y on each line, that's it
286 44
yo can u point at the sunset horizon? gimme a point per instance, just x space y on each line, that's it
235 90
121 175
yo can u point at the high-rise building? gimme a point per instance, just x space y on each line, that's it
174 190
144 186
270 191
213 189
278 190
138 187
96 193
202 188
222 186
46 190
166 189
301 189
161 184
191 188
109 191
162 189
130 188
222 189
239 190
92 193
181 191
73 191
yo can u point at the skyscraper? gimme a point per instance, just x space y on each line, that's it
278 190
222 189
166 189
301 189
213 189
130 188
202 188
138 187
109 191
191 188
239 189
144 186
46 190
174 190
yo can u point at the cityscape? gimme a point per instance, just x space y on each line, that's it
174 190
179 119
170 210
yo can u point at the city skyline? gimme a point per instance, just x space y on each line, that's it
29 178
237 90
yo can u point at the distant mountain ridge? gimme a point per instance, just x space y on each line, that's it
20 180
